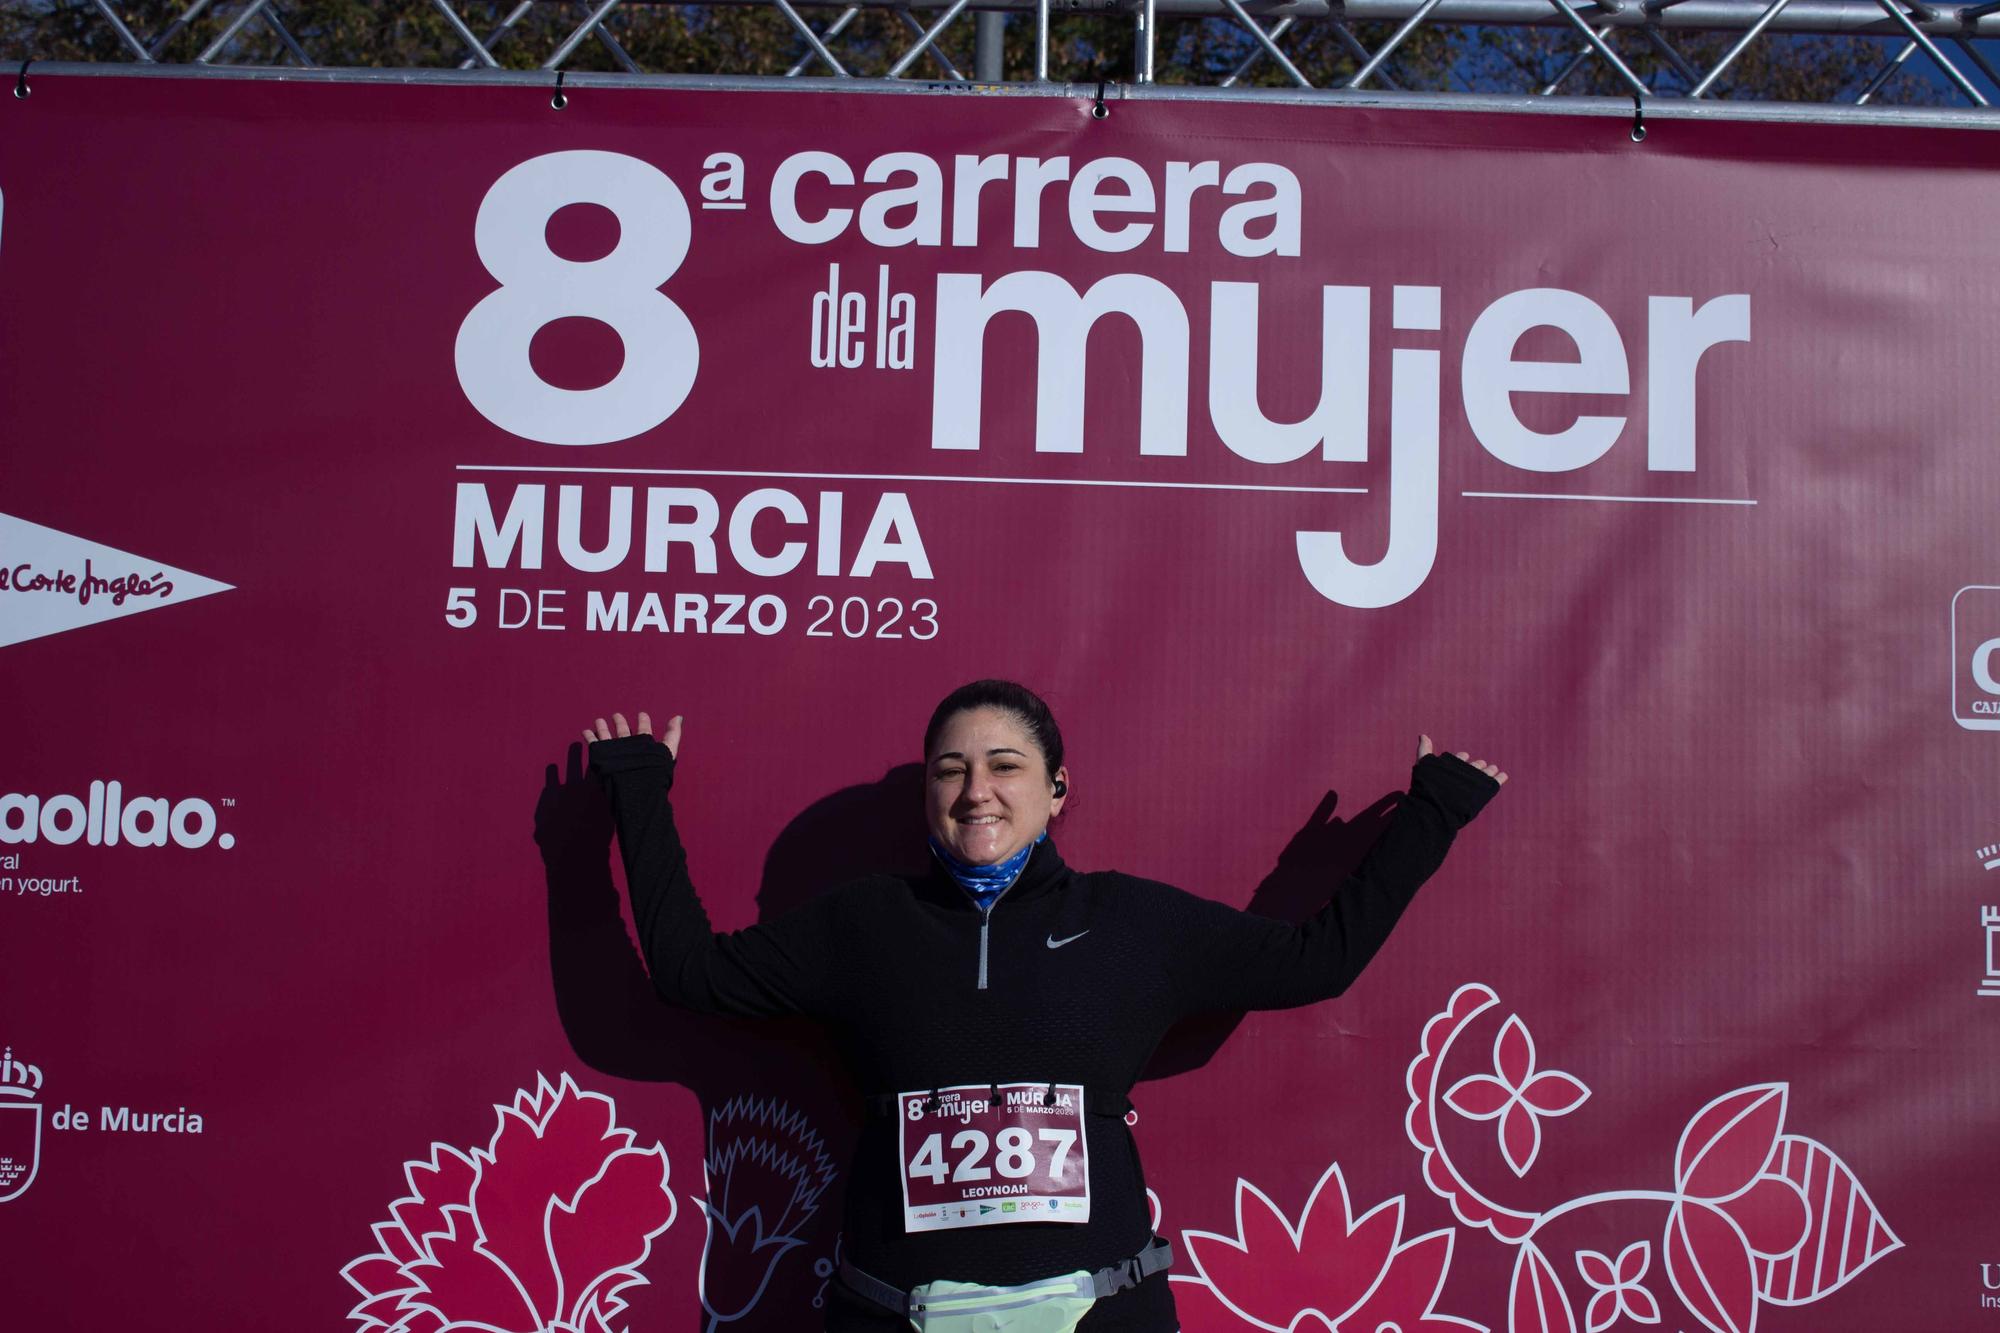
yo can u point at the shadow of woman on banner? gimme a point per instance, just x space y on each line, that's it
1312 864
780 1117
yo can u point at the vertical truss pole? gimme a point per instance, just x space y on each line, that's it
813 39
575 39
1142 48
478 48
1886 73
1632 81
989 50
228 34
929 36
1742 43
132 43
1041 41
1943 62
1264 40
1367 71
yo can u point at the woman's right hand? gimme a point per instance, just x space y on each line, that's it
618 727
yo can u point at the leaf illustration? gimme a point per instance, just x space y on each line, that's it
547 1144
1728 1141
471 1286
1478 1096
1708 1261
1844 1233
1536 1301
1596 1269
613 1221
1773 1215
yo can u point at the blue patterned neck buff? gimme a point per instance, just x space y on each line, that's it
985 883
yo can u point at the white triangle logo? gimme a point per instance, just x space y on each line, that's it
51 582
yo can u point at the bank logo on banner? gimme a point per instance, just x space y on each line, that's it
1975 657
20 1125
51 581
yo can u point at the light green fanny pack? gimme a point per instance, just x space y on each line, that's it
1051 1305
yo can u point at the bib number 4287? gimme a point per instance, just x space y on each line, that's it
1015 1160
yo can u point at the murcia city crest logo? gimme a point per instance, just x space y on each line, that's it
20 1125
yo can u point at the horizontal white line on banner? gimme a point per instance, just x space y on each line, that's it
1620 499
897 476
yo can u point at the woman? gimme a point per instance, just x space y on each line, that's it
1008 1003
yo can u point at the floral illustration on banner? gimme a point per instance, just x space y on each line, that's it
540 1231
1516 1096
766 1170
1756 1216
1351 1275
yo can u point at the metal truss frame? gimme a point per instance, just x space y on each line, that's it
1923 28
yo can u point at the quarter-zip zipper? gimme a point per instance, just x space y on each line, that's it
986 920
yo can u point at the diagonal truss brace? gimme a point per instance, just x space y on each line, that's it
1938 57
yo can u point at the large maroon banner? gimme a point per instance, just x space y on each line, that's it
363 442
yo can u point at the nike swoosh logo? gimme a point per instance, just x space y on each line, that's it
1055 943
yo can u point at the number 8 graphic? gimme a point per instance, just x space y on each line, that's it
538 286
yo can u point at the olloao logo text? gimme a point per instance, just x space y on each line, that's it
107 817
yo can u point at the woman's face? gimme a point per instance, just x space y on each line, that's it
987 789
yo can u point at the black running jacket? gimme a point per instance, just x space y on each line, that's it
1069 977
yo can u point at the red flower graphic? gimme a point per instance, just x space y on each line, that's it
1471 1207
1516 1095
538 1232
1615 1287
1351 1275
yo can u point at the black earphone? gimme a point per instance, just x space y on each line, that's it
1062 788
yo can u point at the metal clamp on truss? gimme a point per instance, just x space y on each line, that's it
1638 119
561 99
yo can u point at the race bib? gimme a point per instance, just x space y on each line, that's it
971 1161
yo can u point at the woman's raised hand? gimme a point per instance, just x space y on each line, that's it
1423 748
618 727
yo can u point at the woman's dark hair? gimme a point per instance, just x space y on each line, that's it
1019 700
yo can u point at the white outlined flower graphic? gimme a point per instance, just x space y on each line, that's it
1516 1095
1615 1288
543 1230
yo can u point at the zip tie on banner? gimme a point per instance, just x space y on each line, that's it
1638 120
21 89
1098 110
560 100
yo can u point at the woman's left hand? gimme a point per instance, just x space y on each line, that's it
1490 770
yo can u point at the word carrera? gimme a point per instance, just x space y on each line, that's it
1112 203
